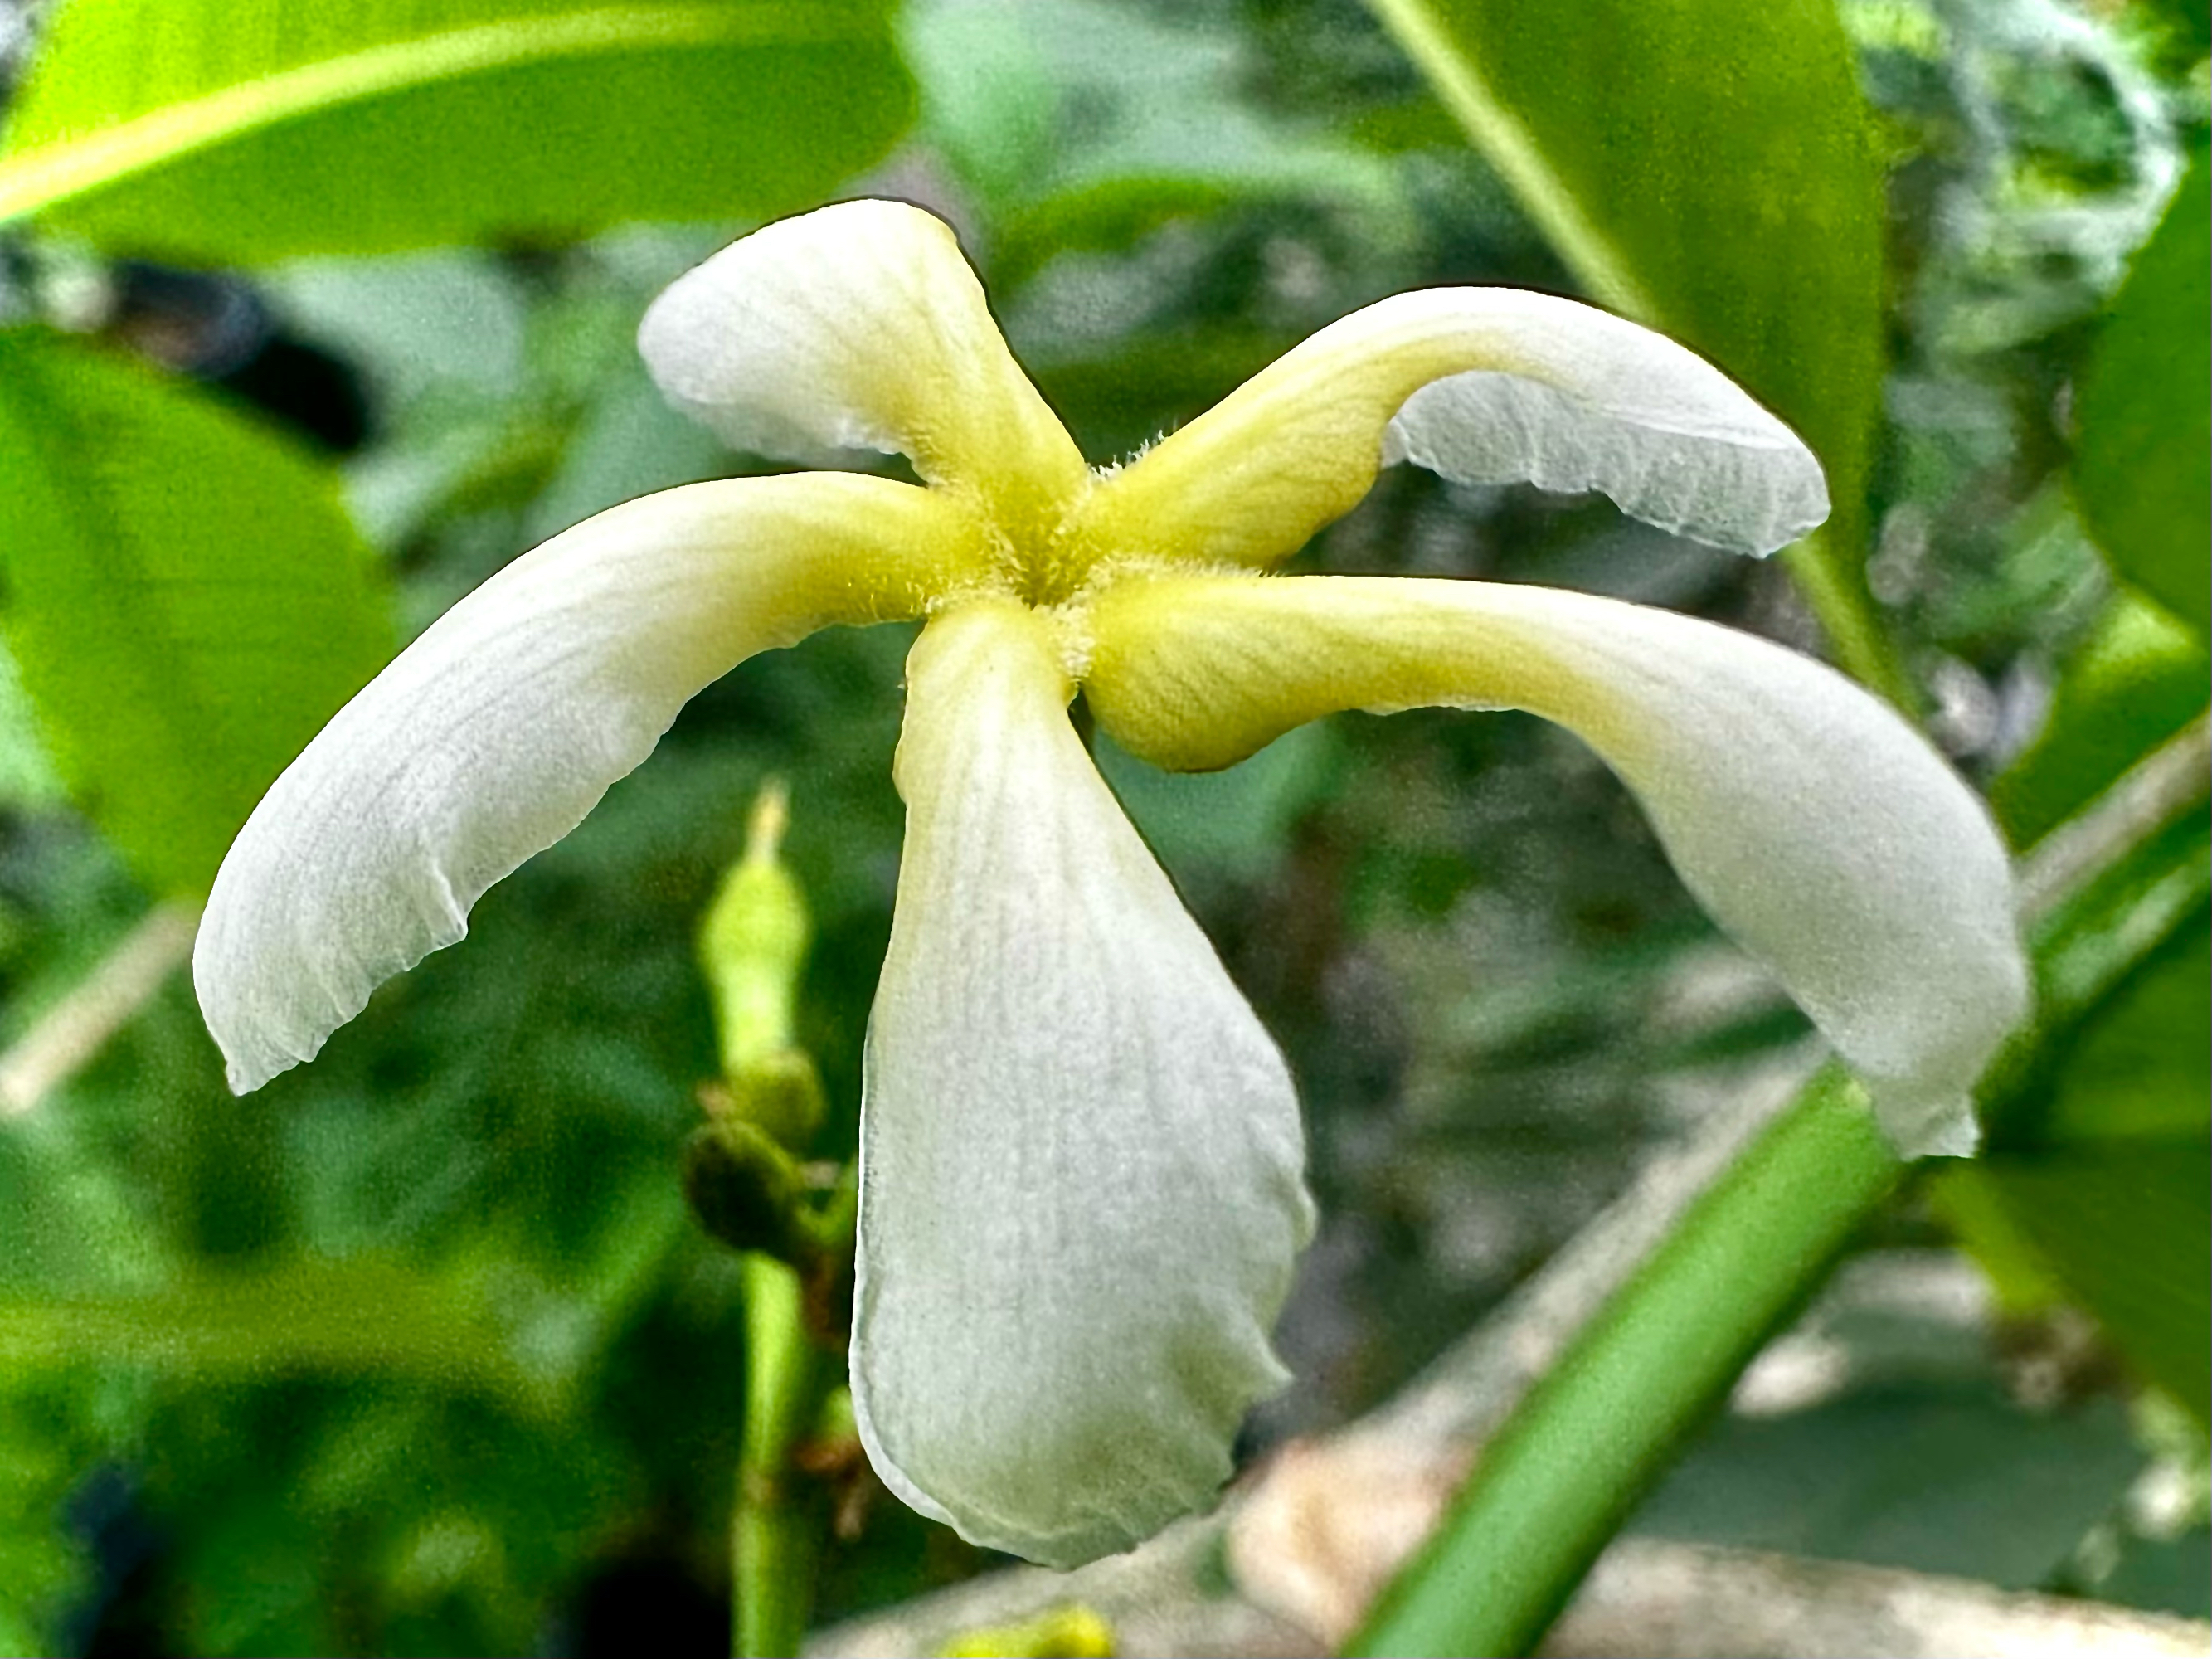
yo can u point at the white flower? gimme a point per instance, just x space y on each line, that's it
1081 1186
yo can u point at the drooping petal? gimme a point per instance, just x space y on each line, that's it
1812 824
860 327
1081 1187
1485 386
491 736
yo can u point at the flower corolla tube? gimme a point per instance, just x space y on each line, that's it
1081 1168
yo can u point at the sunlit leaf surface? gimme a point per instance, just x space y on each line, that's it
186 597
259 131
2145 459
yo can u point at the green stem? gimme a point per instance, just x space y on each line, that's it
1582 1448
775 1529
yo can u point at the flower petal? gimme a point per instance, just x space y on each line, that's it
1814 824
860 327
492 735
1485 386
1080 1188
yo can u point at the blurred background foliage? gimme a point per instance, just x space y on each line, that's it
418 1349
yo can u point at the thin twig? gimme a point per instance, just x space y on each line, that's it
67 1036
2172 778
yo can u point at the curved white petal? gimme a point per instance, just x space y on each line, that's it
1080 1188
1816 826
492 735
1485 386
860 327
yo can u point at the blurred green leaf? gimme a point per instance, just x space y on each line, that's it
2143 456
2135 682
1232 822
364 1317
2107 1196
627 441
42 1568
27 778
2144 1069
185 597
1122 388
989 91
1938 1474
2123 1226
1704 168
243 133
1977 1213
2188 20
1084 127
1120 199
1108 214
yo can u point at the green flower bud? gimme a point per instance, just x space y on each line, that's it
746 1191
753 944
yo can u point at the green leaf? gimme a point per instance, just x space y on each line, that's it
2142 458
1234 821
2125 1228
1918 1463
368 1315
43 1562
2191 24
1085 126
259 130
2143 1068
2135 682
2108 1197
27 778
185 598
1703 167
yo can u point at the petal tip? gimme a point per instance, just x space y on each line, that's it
244 1077
820 334
255 1047
1569 398
1941 1128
